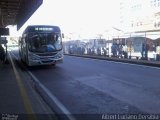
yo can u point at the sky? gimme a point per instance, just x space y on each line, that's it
82 18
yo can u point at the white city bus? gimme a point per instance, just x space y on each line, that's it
41 45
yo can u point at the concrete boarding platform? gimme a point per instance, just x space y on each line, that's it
133 61
18 99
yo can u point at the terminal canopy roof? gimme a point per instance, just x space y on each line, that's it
17 12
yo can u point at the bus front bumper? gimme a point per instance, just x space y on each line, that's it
45 62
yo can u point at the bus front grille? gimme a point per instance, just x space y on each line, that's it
47 54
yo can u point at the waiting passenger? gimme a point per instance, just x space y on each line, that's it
2 54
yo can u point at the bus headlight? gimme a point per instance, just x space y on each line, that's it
59 55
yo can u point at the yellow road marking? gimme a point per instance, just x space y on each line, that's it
26 101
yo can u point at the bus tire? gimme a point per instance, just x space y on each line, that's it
54 64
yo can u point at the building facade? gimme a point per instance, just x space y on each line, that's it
139 15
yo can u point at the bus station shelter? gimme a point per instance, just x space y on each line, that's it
15 12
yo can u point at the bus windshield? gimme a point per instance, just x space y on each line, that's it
44 42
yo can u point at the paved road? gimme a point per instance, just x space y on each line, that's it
89 86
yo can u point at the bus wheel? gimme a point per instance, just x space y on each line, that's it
54 64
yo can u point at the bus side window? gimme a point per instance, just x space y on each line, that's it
19 41
57 38
23 41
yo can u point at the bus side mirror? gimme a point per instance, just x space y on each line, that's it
62 35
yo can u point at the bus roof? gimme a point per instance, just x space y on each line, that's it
41 28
